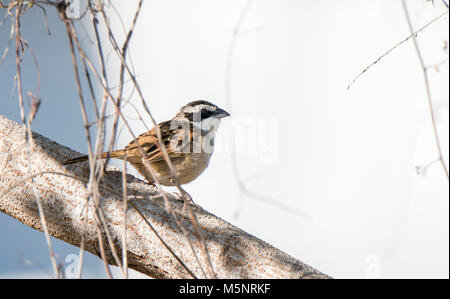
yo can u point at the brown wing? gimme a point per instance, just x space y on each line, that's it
171 138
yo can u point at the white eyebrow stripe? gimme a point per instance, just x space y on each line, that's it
197 108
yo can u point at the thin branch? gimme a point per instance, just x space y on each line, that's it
18 62
102 250
427 88
5 51
125 209
413 34
83 241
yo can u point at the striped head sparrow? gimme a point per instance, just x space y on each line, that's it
188 138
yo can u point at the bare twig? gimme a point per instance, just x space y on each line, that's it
413 34
427 88
18 61
125 209
5 51
83 241
102 250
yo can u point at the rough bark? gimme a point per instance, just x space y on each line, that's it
234 253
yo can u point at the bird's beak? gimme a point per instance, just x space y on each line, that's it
220 113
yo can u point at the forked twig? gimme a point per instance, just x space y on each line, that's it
427 88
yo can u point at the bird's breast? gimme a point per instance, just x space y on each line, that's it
187 167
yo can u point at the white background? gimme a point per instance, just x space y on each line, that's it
342 161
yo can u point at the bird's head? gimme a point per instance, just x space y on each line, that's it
203 114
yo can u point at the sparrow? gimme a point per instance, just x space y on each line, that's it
188 139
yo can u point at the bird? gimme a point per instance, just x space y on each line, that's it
188 139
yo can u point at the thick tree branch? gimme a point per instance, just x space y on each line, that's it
62 191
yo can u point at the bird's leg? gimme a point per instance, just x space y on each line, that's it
186 196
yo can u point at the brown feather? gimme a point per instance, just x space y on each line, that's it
148 142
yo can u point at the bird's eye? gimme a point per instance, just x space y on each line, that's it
206 113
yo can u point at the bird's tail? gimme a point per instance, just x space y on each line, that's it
115 154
